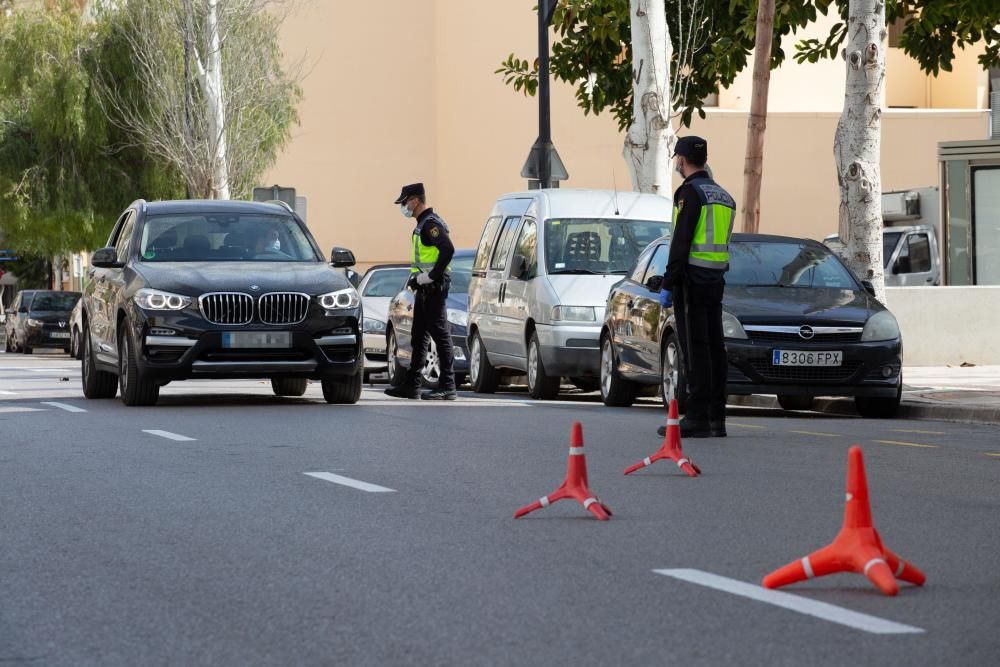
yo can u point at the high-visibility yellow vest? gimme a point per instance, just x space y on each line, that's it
424 256
710 245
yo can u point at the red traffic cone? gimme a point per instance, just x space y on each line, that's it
671 448
575 485
857 548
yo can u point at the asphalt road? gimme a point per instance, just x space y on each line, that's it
189 533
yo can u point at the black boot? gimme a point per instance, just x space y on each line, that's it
439 395
405 390
695 428
717 427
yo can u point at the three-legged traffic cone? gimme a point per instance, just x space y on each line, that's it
575 486
671 448
857 548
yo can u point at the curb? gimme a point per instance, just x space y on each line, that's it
909 408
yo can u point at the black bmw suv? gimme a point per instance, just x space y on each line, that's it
223 290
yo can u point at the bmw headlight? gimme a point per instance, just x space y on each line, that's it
880 326
458 317
371 325
573 314
341 299
731 327
152 299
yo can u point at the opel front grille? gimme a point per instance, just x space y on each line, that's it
283 307
227 308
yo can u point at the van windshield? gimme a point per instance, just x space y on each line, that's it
598 245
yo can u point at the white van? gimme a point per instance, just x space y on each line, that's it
540 280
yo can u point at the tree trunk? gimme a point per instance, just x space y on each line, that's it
215 99
753 169
650 138
857 143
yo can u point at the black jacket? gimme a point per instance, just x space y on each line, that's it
678 272
434 232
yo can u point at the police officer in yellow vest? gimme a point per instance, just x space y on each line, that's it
695 281
430 280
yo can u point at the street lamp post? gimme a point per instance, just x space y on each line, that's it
543 165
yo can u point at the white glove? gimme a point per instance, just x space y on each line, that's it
424 279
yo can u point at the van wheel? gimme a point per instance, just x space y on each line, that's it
394 368
96 384
672 380
483 377
540 385
616 392
343 389
795 402
136 388
289 386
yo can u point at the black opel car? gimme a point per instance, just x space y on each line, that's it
797 322
218 289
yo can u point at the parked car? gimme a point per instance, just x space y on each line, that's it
910 255
213 290
797 324
400 345
540 280
39 319
379 285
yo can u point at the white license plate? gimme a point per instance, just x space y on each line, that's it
800 358
60 334
256 339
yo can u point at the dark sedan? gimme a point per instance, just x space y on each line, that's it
214 290
797 322
398 341
40 319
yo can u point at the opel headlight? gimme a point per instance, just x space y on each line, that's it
371 325
341 299
151 299
458 317
34 323
731 327
573 314
880 326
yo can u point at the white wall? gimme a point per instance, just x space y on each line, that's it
947 325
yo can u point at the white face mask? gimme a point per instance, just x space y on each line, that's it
275 247
678 168
407 213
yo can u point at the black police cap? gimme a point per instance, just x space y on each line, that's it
412 190
692 147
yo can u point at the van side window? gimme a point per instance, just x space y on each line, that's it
658 265
527 246
486 243
919 247
499 262
640 265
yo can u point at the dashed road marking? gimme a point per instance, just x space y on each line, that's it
916 430
353 483
742 425
4 392
991 454
807 606
63 406
818 434
905 444
168 435
4 411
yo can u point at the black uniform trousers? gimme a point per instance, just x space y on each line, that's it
430 321
698 310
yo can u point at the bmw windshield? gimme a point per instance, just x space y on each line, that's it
231 237
597 245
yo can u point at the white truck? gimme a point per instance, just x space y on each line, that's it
911 251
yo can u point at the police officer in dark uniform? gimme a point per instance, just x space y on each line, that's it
695 281
430 279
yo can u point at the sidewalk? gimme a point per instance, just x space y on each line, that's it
941 393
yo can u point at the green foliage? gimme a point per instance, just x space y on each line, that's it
32 271
594 40
65 173
932 31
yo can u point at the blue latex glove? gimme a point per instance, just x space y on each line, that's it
666 299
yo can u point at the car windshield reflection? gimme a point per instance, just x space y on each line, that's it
225 238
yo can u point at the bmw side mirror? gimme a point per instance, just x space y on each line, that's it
868 287
654 283
519 267
342 258
105 258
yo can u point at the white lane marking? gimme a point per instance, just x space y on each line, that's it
168 435
4 392
807 606
347 481
63 406
9 410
